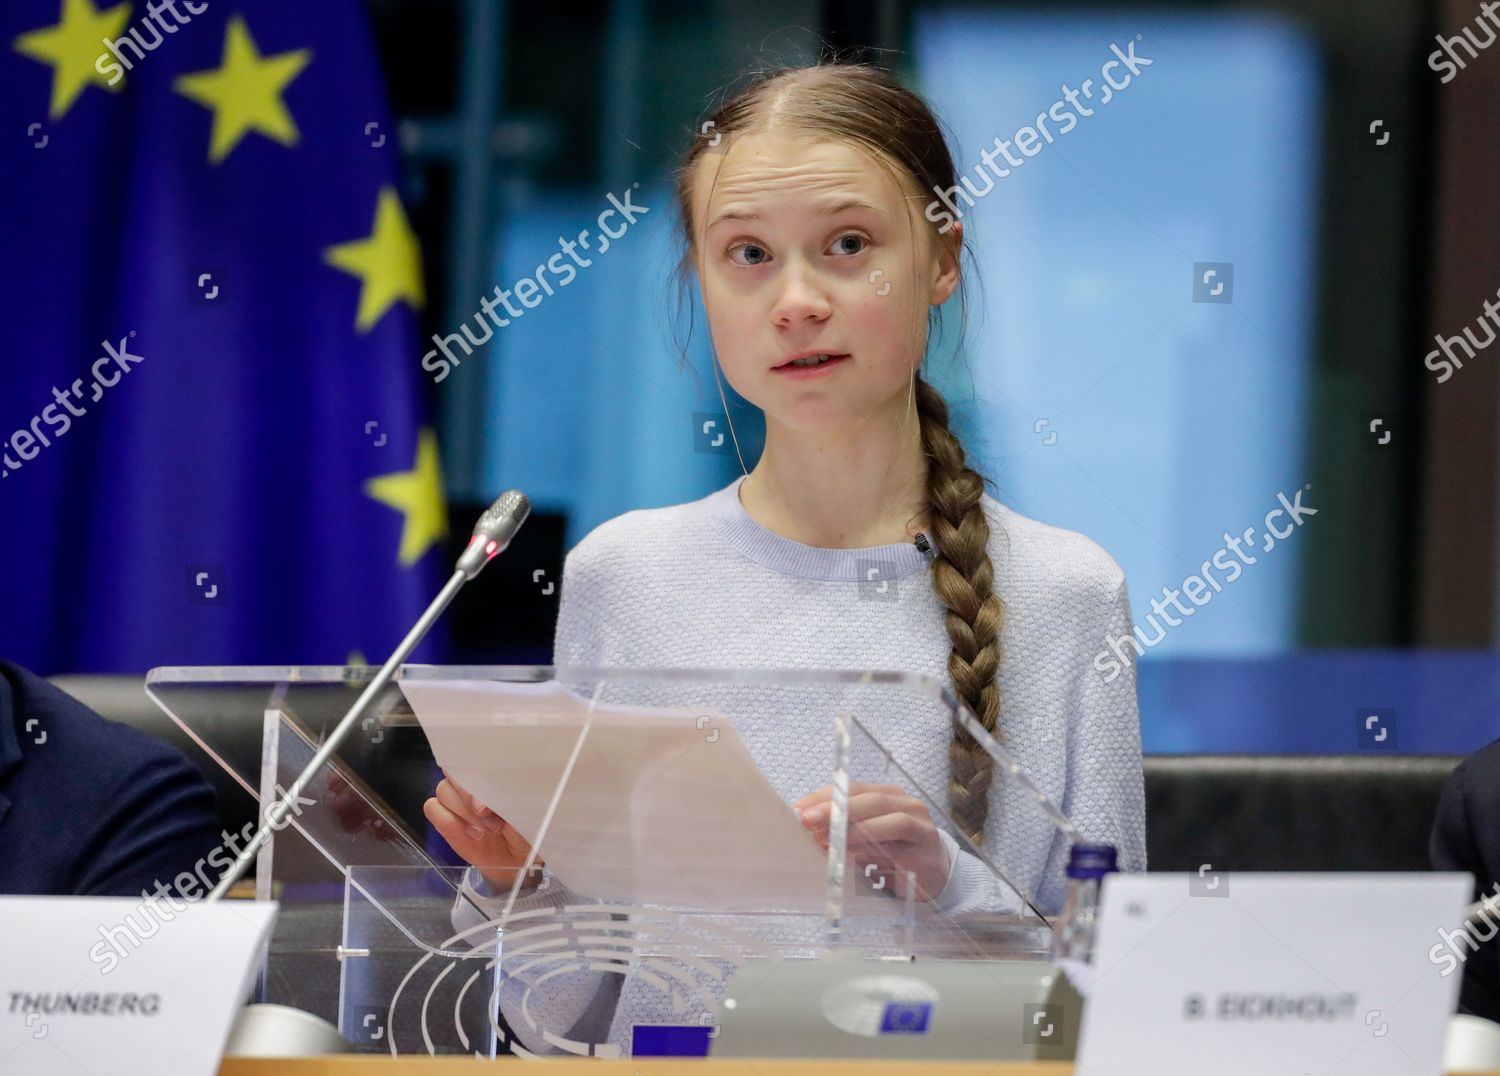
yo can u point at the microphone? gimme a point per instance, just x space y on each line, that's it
494 531
492 534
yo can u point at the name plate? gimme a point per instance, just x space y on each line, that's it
121 985
1272 973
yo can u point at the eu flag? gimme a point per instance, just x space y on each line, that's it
212 442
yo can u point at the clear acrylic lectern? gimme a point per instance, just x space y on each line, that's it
657 801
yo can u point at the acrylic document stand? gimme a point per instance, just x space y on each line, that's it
657 800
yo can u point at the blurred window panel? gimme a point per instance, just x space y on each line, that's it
1109 401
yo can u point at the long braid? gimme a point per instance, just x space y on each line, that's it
963 578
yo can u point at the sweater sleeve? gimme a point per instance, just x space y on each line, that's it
1105 789
570 1009
971 886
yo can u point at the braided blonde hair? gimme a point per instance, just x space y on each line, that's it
865 105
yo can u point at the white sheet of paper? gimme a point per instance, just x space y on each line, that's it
1253 973
111 984
663 805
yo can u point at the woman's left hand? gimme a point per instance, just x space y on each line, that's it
888 828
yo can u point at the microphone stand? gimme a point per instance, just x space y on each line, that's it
492 534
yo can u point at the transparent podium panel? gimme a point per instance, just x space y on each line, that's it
406 985
678 826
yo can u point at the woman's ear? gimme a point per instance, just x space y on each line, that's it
945 268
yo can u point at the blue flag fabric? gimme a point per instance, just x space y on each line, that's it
212 443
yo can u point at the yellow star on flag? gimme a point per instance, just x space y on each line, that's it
72 46
418 495
244 92
388 263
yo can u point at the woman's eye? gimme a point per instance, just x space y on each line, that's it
861 240
750 247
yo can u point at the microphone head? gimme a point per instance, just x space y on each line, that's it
502 519
494 531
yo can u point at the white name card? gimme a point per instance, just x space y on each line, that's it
1255 974
123 986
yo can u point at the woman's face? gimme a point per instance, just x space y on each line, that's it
808 246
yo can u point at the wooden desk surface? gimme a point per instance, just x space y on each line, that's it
644 1066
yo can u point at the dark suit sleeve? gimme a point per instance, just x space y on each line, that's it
161 822
1453 847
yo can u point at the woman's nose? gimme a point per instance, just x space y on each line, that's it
801 297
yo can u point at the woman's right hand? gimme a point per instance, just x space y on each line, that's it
479 835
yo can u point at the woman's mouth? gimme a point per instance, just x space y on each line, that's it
813 366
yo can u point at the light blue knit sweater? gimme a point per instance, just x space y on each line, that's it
703 585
